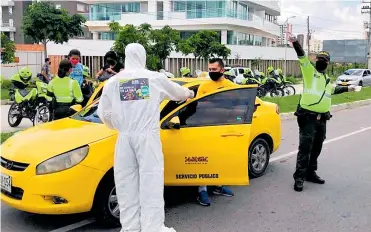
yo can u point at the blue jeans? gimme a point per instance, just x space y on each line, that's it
204 188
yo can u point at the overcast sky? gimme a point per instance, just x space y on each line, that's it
329 19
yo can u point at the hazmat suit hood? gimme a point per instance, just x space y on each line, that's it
135 56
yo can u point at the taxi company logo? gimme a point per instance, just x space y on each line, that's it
196 160
9 165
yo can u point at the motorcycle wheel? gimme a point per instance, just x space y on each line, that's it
276 93
289 90
14 118
261 92
42 115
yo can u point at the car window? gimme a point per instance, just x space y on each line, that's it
88 114
368 72
241 71
223 108
354 72
172 105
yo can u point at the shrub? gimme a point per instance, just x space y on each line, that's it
6 84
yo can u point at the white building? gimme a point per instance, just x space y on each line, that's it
249 28
285 30
7 18
316 45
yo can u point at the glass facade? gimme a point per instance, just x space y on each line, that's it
107 36
239 38
212 9
112 11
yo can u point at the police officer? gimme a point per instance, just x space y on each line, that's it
65 90
312 114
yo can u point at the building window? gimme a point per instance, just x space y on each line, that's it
179 6
10 9
231 38
80 8
258 40
58 6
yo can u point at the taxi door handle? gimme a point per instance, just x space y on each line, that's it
233 134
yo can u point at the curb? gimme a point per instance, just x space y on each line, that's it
334 108
5 102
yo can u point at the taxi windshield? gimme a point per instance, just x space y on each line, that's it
88 114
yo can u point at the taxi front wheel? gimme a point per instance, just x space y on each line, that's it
259 153
106 208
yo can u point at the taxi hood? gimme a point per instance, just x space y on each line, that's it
42 142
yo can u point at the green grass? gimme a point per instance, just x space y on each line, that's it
5 136
289 103
4 94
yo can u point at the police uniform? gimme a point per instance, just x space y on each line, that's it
66 92
312 115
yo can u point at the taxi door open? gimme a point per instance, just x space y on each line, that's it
206 140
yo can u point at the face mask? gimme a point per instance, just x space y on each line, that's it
74 61
215 75
321 65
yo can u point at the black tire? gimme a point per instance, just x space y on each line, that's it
44 109
360 83
18 118
261 92
289 90
101 208
276 93
258 164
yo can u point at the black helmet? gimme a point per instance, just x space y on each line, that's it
325 55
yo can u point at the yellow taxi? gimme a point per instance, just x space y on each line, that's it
66 166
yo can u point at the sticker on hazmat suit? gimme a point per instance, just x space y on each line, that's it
134 89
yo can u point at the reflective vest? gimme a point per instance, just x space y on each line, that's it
65 90
316 95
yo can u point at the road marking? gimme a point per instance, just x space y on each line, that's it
90 221
326 142
74 226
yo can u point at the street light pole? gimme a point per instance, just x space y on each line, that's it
286 25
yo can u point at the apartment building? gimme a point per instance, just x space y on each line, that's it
7 18
249 23
12 12
285 30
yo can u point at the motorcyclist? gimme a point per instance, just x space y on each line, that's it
139 162
249 78
65 91
185 72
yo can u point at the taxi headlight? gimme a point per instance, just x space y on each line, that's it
63 161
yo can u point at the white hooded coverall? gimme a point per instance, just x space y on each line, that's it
130 103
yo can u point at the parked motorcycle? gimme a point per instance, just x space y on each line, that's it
254 80
32 103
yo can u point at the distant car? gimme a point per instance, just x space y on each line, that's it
361 77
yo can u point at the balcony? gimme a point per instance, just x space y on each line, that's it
7 26
191 19
7 2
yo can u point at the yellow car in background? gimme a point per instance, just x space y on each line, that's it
66 166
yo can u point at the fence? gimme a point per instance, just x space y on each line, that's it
174 64
32 60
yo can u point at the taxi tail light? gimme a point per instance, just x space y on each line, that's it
277 109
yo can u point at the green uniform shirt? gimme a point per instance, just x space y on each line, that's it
65 90
317 92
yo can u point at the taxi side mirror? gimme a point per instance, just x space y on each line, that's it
76 108
174 123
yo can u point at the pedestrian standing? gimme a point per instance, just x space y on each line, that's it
312 114
130 103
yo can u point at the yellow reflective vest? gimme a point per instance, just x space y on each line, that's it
65 90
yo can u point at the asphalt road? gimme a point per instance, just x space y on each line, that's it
269 204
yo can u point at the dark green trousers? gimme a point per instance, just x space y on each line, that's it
312 133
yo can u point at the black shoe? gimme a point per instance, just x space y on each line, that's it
314 178
298 186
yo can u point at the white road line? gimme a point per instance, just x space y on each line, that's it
326 142
90 221
74 226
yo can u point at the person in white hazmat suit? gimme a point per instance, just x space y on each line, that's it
139 163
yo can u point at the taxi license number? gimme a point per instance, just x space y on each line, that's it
6 183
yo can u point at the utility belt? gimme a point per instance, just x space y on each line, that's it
310 115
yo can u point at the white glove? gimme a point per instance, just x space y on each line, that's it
292 39
191 94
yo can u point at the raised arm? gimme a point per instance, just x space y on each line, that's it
173 91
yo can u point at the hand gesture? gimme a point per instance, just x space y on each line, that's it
191 94
292 39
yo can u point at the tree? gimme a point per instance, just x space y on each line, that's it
164 40
42 22
158 43
204 44
7 49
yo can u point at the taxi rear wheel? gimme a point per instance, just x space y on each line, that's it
259 153
106 207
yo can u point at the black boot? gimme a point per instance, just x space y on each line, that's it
298 186
314 178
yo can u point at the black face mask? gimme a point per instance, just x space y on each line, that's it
321 65
215 75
